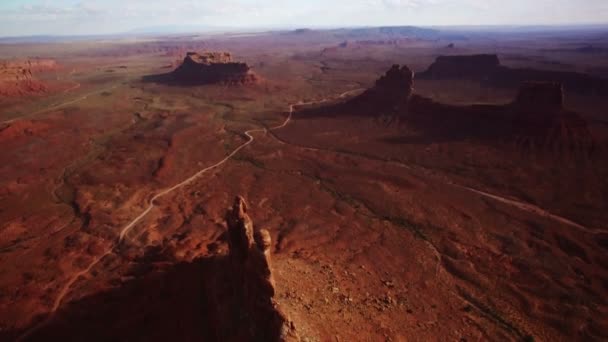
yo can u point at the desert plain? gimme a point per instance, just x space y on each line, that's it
462 196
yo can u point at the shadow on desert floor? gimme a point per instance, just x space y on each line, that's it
160 304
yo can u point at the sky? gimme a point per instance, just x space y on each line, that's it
85 17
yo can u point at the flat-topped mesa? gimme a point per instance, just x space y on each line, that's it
213 67
252 280
462 67
548 96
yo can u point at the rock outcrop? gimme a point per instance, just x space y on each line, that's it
487 69
17 77
390 94
245 307
213 67
535 119
540 119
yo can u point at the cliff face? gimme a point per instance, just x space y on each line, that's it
540 119
16 77
213 67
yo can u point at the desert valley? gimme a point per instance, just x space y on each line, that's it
360 184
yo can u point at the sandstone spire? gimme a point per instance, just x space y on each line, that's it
252 281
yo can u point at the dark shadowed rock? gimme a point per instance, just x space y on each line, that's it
389 96
540 95
397 80
540 119
535 119
252 281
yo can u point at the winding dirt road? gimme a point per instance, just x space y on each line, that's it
250 139
63 104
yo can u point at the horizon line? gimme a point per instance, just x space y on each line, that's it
233 29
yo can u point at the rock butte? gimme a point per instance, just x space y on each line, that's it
535 119
390 93
213 67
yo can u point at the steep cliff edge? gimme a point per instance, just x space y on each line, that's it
535 119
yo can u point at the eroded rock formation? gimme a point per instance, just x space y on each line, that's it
17 77
390 94
535 119
540 119
213 67
245 305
